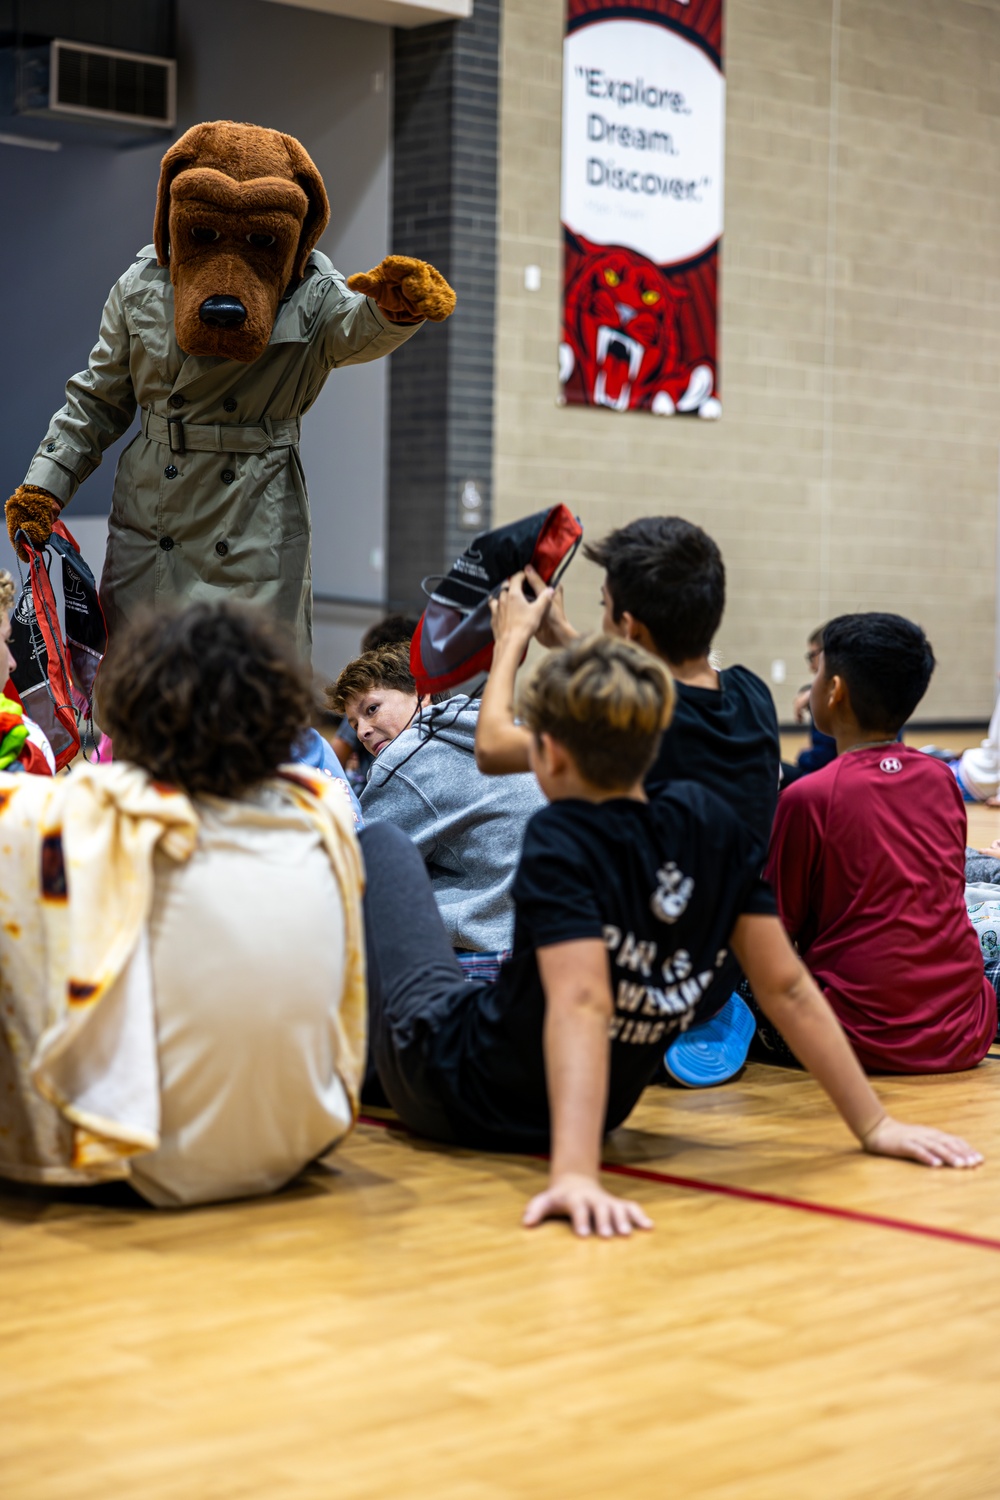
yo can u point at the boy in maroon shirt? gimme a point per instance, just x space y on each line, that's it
867 861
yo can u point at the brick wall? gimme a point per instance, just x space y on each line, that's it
855 465
444 210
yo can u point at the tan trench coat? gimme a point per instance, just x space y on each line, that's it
209 498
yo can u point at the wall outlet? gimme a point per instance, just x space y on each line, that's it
778 673
532 278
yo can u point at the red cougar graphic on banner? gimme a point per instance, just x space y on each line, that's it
642 205
624 337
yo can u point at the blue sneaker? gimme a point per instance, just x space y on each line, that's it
715 1051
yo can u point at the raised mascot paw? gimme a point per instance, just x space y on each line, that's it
406 290
33 511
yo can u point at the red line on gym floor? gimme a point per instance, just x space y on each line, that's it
752 1195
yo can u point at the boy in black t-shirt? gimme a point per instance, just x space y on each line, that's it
627 912
664 588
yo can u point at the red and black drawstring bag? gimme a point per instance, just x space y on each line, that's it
453 642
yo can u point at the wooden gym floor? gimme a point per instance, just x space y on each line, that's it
804 1323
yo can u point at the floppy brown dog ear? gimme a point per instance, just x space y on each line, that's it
176 160
318 213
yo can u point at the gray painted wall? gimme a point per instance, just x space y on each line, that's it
73 221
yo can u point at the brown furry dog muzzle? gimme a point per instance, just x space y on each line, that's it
233 247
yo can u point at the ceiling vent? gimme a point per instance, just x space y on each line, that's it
77 92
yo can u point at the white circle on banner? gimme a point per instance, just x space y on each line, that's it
890 765
643 140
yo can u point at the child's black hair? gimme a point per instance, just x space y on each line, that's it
389 631
669 575
886 662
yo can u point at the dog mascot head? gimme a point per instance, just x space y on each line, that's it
238 210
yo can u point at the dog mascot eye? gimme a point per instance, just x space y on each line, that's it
650 298
203 235
612 277
260 241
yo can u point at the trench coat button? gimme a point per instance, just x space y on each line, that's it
50 447
227 476
166 542
229 404
176 401
222 548
170 471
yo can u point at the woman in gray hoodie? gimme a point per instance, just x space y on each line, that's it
468 827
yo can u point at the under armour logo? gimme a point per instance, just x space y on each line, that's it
890 765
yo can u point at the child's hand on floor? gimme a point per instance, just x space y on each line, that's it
587 1206
922 1143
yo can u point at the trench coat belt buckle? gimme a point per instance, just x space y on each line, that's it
219 437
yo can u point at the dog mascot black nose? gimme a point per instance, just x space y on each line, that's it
222 312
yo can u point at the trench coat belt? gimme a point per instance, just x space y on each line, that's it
219 437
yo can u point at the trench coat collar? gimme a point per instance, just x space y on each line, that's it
149 302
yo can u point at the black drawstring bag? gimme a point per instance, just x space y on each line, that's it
454 639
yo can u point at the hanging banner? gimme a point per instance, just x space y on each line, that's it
643 146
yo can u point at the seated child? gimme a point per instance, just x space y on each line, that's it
867 861
23 745
664 587
314 750
821 748
467 826
205 909
627 910
352 755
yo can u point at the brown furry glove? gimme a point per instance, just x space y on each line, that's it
33 511
406 290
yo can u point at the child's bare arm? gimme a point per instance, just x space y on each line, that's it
578 1008
790 998
501 744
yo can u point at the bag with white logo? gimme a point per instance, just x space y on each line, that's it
454 638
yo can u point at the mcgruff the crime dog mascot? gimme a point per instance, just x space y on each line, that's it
222 333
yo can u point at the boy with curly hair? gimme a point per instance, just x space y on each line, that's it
212 900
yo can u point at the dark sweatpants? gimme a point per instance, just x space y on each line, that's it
415 982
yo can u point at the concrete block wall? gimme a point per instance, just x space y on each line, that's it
856 462
445 211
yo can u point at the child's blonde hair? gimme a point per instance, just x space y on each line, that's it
608 702
7 592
